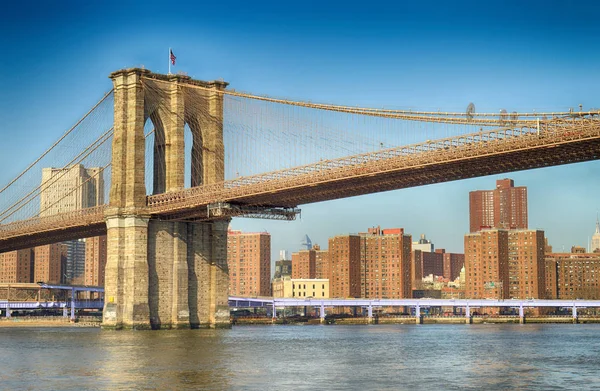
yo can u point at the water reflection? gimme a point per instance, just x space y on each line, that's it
165 360
427 357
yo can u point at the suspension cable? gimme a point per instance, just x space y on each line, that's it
58 141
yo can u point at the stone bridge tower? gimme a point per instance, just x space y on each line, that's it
164 274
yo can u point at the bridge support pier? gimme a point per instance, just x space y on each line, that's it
208 274
175 277
168 275
521 315
418 315
73 305
126 278
468 316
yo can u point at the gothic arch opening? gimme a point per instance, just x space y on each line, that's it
194 154
156 166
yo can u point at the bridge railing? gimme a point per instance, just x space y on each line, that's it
65 220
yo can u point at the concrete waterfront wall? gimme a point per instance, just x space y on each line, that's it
480 320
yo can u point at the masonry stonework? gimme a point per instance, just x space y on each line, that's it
164 274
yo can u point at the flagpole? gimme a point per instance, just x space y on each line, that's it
169 61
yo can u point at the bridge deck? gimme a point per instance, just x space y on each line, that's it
562 141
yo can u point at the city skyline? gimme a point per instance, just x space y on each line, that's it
269 104
494 56
321 237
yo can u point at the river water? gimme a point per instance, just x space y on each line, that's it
375 357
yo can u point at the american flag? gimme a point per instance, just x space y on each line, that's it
172 57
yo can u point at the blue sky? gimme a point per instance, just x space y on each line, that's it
523 56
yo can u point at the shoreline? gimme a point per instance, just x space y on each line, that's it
62 322
423 320
47 322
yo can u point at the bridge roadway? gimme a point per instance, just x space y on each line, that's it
554 142
417 304
73 303
239 301
369 304
40 305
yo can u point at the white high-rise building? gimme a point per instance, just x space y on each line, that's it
423 244
596 238
284 255
71 188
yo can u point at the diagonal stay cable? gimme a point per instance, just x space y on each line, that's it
33 193
58 141
75 188
86 181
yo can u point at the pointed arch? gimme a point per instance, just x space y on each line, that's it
156 168
196 154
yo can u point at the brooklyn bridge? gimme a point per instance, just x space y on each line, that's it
180 157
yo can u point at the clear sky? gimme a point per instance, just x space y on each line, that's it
521 55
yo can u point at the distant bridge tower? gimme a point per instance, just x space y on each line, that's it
164 274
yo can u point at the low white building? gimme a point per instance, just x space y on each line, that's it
317 288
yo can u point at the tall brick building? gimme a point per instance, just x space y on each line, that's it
95 260
321 262
486 264
375 264
344 266
16 266
504 207
505 264
313 263
304 264
573 276
249 263
48 263
386 263
453 263
416 268
526 264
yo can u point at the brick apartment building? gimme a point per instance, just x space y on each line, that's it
571 276
505 264
504 207
249 263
